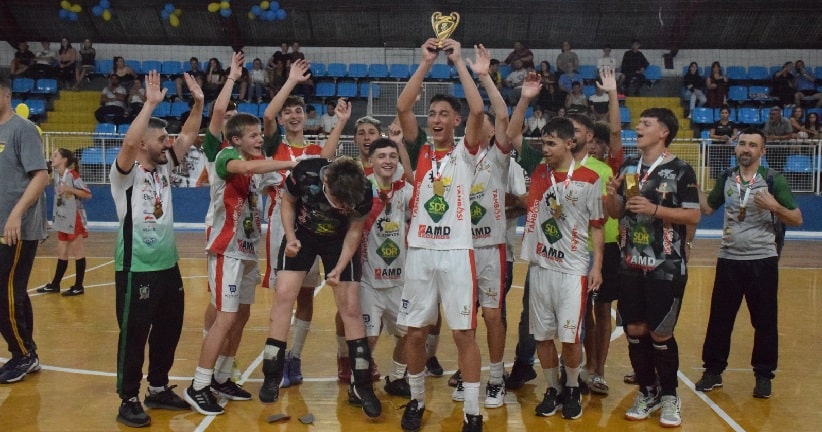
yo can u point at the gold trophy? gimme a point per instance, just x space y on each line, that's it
444 25
631 185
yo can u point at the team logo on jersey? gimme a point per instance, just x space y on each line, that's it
466 311
477 212
232 288
477 189
551 230
388 251
641 236
436 207
387 226
145 292
663 190
569 325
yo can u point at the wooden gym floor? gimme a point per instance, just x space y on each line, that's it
77 339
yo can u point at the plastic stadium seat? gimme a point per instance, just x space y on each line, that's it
171 67
336 70
105 129
589 89
357 70
110 155
150 65
653 73
137 66
248 108
775 69
798 164
104 67
732 161
459 91
320 108
123 128
413 68
587 72
628 137
758 73
318 70
162 109
749 116
702 116
736 73
325 89
365 87
22 86
760 93
505 70
45 86
37 107
93 156
171 88
738 93
347 89
178 109
399 71
377 70
705 136
529 112
440 71
15 102
624 115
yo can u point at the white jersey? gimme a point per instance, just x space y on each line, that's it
488 197
384 234
516 186
556 230
67 205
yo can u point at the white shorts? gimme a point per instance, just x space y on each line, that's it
232 281
557 305
381 306
490 264
439 276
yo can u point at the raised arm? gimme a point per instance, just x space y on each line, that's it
395 134
220 106
473 127
131 142
530 89
480 67
411 91
609 86
297 75
343 113
191 128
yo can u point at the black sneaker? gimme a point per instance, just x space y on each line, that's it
432 365
48 288
18 367
398 387
583 386
549 404
166 399
572 403
762 389
708 382
455 379
472 423
230 390
364 396
203 401
412 416
131 413
270 390
520 374
73 291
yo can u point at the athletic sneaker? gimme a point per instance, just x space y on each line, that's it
230 390
131 413
762 390
295 369
49 288
708 382
550 403
630 378
598 385
398 387
472 423
458 395
270 390
74 291
203 401
18 367
166 399
455 378
572 403
433 367
520 374
364 396
412 416
644 405
494 395
669 416
344 370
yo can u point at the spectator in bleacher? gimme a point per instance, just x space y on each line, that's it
87 66
722 134
550 98
798 124
112 102
312 125
521 53
812 125
22 60
567 60
45 62
533 125
67 63
598 103
281 54
277 76
545 71
783 84
195 72
717 85
607 60
512 84
295 52
258 81
693 88
136 97
777 130
633 66
124 72
575 102
567 80
329 120
214 79
805 86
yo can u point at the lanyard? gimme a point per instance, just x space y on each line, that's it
584 159
743 202
436 167
480 159
651 169
565 183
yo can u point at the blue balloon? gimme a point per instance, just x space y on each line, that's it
274 5
280 14
105 4
256 10
164 13
73 16
225 13
64 14
97 10
169 8
270 15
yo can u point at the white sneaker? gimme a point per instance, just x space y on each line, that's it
494 395
459 392
670 416
644 405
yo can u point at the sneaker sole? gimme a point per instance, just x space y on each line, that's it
460 398
761 396
572 417
234 397
155 405
133 424
549 414
197 408
669 425
651 411
494 404
707 389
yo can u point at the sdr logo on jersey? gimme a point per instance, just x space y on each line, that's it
388 251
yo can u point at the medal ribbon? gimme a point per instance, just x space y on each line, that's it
651 169
565 183
743 201
436 167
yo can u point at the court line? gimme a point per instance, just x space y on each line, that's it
33 291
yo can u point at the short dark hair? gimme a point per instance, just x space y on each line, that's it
581 119
235 126
561 126
666 117
494 62
4 83
440 97
157 123
292 101
755 131
602 131
346 181
381 143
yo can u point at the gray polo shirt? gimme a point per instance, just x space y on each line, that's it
21 154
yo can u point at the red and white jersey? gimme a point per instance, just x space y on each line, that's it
67 205
442 223
556 229
383 249
286 152
488 197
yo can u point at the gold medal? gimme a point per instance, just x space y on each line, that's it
556 208
444 25
741 216
631 185
158 210
439 188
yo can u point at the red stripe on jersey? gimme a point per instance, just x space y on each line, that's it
218 281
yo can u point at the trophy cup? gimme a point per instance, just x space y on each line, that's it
631 185
444 25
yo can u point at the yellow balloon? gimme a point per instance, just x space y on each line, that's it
264 5
22 110
106 15
76 8
65 5
178 12
251 16
174 20
213 7
225 5
40 131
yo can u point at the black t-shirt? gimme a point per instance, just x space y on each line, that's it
315 215
724 130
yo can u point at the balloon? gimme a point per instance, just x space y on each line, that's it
164 14
169 8
251 16
174 20
256 10
65 5
213 7
225 13
280 14
64 14
40 131
178 12
270 15
105 4
107 15
264 4
274 5
22 110
225 5
76 8
73 16
97 10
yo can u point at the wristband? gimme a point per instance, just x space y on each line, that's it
656 210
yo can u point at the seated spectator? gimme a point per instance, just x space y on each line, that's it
693 88
550 99
805 86
136 97
598 103
512 84
607 60
312 125
45 62
717 85
282 54
88 55
798 124
295 53
812 125
23 59
124 72
113 106
575 102
329 120
783 84
545 71
633 66
521 53
533 125
214 79
258 81
193 70
567 60
722 135
67 63
567 80
778 128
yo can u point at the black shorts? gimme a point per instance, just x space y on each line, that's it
653 301
329 251
609 290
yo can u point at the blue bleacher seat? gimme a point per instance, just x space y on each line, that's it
320 108
413 68
136 66
261 109
366 86
529 112
749 116
318 70
150 65
399 71
798 164
15 102
104 67
93 156
738 93
357 70
628 137
760 93
347 88
505 70
171 67
248 108
110 155
458 91
105 128
589 89
162 109
440 71
587 72
171 88
325 89
775 69
22 86
702 116
736 73
45 86
178 109
788 113
378 71
123 128
336 70
818 112
705 136
653 73
624 115
758 73
37 107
